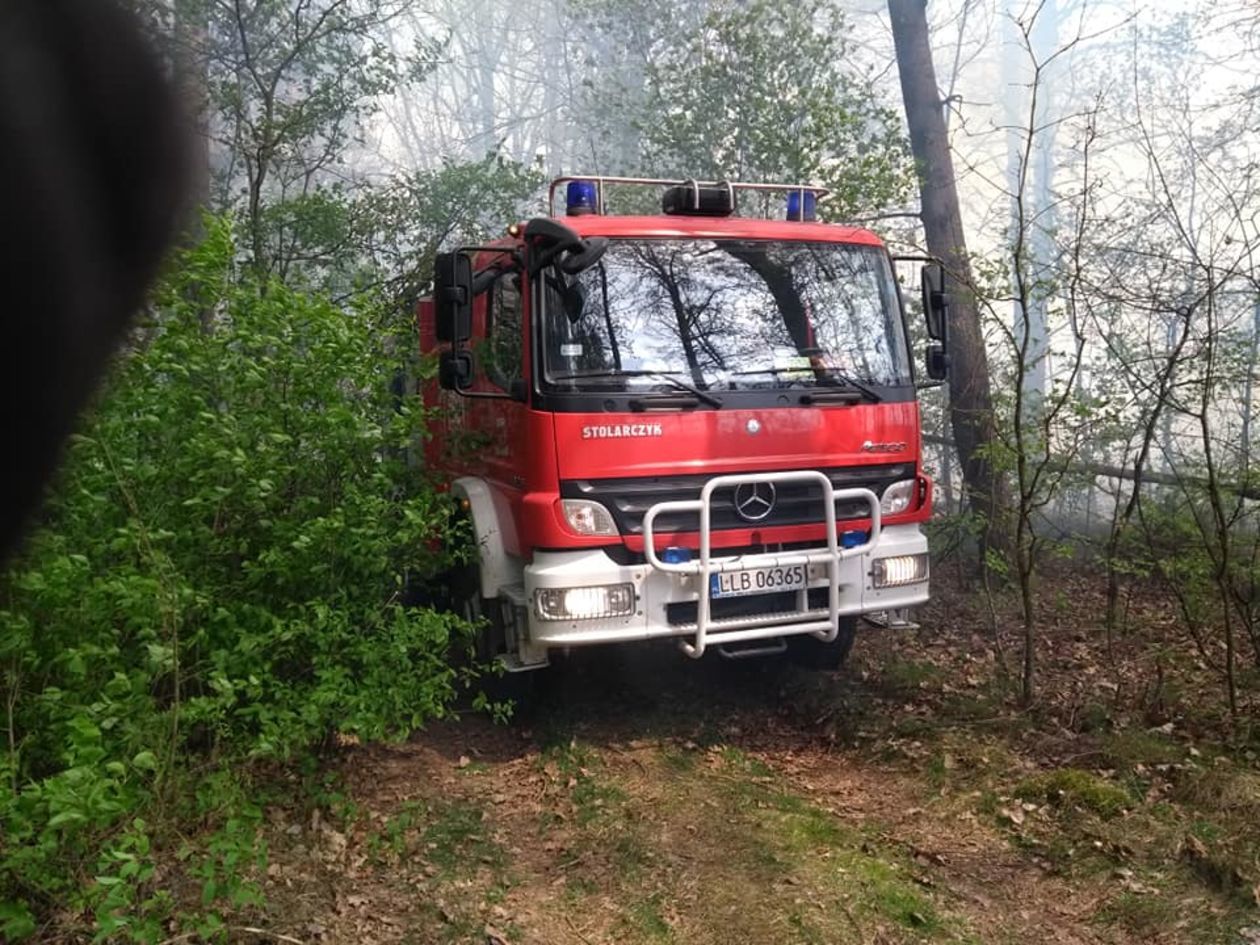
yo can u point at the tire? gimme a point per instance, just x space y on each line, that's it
420 592
467 602
490 642
809 651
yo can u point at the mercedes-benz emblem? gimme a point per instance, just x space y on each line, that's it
754 500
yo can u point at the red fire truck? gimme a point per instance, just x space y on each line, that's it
699 425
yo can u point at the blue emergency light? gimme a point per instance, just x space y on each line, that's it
853 539
794 204
581 197
675 555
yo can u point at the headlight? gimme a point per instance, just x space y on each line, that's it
899 570
585 603
588 518
898 496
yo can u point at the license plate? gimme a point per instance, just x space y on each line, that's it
757 581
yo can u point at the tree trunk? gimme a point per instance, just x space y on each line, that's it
970 397
192 43
1253 360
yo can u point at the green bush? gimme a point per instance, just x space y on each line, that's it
218 576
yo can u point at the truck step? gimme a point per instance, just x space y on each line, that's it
515 593
517 611
891 619
512 663
733 651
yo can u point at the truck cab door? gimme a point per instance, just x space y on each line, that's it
498 423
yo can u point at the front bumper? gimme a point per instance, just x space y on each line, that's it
672 600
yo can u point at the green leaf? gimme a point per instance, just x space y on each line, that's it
67 818
16 921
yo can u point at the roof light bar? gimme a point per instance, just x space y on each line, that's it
600 184
694 199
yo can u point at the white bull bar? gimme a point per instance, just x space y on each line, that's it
803 621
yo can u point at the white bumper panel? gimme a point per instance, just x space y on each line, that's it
656 589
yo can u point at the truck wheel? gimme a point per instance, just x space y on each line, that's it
813 653
490 641
466 600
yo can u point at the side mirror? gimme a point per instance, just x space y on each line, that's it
574 298
455 370
937 361
452 297
935 302
579 260
556 243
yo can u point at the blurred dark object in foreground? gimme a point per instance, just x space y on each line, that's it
93 176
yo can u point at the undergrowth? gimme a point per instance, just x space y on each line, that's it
217 583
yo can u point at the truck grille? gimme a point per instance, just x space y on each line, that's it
686 613
796 503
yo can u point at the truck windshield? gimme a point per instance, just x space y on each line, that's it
725 315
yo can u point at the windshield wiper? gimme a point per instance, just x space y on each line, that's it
583 375
831 374
850 388
670 379
848 381
774 372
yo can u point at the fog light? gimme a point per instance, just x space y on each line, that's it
585 603
899 570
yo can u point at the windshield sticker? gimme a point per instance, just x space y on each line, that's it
792 366
782 363
571 351
613 431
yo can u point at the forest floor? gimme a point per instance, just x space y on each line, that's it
644 798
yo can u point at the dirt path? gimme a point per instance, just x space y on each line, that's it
648 799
